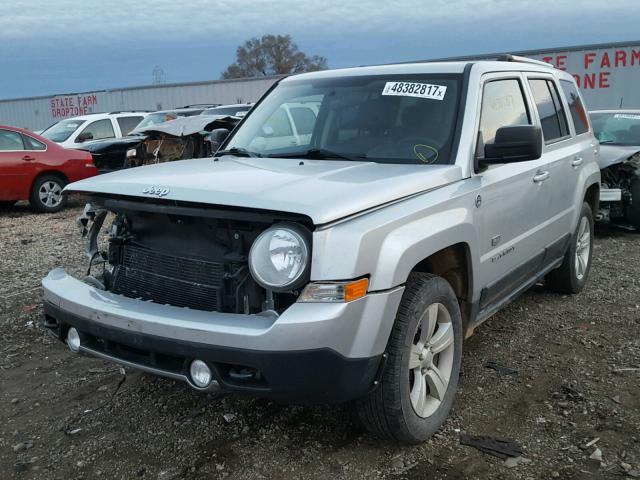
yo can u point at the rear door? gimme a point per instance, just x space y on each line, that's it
513 199
560 161
16 166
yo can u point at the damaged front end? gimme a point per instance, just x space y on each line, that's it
179 289
176 255
620 193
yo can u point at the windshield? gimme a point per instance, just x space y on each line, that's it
156 118
617 128
383 118
62 130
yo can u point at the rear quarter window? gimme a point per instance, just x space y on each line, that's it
31 143
576 107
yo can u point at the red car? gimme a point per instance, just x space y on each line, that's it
36 169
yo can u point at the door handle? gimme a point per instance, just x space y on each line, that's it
541 176
28 158
577 161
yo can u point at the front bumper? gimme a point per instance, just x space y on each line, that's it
312 353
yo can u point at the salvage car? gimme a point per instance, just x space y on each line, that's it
618 132
36 169
348 264
154 141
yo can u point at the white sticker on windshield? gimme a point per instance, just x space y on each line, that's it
627 115
412 89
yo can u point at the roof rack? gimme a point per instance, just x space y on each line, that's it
128 111
515 58
202 105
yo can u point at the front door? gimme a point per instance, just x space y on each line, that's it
514 197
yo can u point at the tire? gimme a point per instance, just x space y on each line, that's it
46 194
390 411
633 210
571 276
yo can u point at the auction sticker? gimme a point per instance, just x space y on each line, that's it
412 89
629 116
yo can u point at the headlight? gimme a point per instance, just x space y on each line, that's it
279 258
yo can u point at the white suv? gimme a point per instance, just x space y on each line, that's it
72 132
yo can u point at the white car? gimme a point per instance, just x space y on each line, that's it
72 132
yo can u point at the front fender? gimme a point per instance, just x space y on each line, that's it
388 243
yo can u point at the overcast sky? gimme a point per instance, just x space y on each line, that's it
64 46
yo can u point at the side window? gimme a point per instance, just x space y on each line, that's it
31 143
552 117
10 141
100 129
304 118
128 123
578 112
503 105
278 125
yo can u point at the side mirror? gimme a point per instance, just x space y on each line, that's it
84 136
216 137
514 144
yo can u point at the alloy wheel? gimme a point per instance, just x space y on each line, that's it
431 360
583 248
50 194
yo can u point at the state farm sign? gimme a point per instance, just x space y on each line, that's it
608 77
73 105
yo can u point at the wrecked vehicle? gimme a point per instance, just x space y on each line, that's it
177 138
618 132
347 263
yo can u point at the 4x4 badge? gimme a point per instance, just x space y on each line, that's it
157 191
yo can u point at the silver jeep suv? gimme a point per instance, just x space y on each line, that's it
346 258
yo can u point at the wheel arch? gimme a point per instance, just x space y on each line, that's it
56 173
454 264
592 197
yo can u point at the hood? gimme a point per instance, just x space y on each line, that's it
613 154
111 144
324 190
183 126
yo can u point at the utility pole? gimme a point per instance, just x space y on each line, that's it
158 75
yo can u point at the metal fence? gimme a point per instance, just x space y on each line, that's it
37 113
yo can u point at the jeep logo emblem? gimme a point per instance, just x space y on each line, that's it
157 191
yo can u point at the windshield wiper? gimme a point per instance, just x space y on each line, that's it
238 152
320 154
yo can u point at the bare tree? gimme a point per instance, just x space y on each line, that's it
272 55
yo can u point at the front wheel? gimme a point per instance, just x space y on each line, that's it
424 354
46 194
571 276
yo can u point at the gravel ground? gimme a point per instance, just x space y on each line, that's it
577 358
